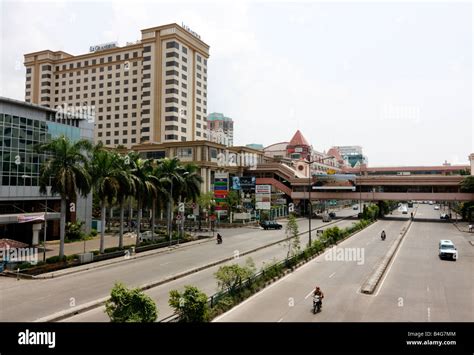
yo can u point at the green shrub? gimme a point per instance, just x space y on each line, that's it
72 257
24 265
55 259
130 306
191 305
74 231
93 232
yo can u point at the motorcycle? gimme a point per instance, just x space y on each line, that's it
317 304
382 236
219 239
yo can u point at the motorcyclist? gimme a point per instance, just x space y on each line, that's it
383 235
317 292
219 238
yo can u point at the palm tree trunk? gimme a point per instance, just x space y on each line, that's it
139 221
130 214
62 227
102 230
153 220
121 226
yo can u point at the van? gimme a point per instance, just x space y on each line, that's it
446 249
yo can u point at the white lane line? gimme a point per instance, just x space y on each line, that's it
280 320
309 294
392 262
334 273
429 314
285 277
165 263
427 289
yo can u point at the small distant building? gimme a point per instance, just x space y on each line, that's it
220 129
352 155
255 146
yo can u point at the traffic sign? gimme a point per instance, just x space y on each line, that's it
178 217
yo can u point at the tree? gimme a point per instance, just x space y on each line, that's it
190 188
127 306
126 189
230 276
67 173
467 184
206 202
232 200
191 305
106 173
145 183
293 240
169 173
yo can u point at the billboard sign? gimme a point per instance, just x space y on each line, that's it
263 197
221 189
335 182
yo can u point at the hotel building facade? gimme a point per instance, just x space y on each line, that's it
154 90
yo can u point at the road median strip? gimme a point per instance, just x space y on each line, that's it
371 283
97 303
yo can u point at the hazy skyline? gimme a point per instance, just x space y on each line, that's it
394 78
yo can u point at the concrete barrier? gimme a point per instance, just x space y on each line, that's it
371 284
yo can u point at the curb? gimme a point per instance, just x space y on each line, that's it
97 303
73 270
371 284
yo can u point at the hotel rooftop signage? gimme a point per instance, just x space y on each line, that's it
190 31
101 47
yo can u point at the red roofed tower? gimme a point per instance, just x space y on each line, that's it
298 147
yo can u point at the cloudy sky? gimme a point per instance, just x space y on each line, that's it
395 78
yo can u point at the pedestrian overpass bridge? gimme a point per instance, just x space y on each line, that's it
366 188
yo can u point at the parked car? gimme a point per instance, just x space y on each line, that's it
332 214
444 216
145 236
447 250
270 225
355 207
436 207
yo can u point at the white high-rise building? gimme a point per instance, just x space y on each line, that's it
152 90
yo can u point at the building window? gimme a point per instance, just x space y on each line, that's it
173 44
184 152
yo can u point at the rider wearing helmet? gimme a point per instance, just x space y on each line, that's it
383 235
318 292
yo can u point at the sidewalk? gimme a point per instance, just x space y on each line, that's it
52 247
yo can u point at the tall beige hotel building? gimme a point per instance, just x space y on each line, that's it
153 90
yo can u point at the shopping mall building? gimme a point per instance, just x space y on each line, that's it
23 208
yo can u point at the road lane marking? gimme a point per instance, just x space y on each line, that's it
309 294
332 274
280 320
429 314
309 263
387 271
427 289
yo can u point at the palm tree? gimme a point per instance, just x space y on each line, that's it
145 183
67 173
126 189
107 174
170 176
191 185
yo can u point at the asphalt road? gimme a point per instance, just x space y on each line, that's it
28 300
417 286
204 279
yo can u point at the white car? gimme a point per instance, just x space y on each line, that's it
355 207
431 202
447 249
145 236
436 207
